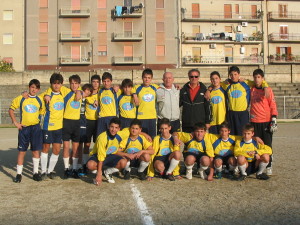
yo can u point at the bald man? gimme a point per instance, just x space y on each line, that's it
168 101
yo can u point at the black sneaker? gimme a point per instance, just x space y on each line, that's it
126 175
82 171
37 177
52 175
242 177
262 176
170 177
75 174
67 173
44 176
141 175
18 178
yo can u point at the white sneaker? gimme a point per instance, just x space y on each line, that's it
269 171
202 174
189 174
109 177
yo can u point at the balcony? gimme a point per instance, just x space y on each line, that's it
290 38
68 36
69 13
128 12
222 38
221 17
128 36
284 16
221 60
127 60
68 60
284 59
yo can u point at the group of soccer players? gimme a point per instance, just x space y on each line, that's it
121 120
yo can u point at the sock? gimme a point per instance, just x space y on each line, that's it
172 166
127 167
66 163
203 168
219 169
262 167
242 168
52 162
19 169
143 166
44 162
112 170
189 167
85 158
36 162
75 163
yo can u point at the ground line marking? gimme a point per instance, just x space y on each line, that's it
147 219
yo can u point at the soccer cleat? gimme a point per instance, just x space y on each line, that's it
170 177
52 175
218 175
242 177
18 178
141 175
109 177
189 174
202 174
67 173
44 176
75 174
37 177
269 171
126 175
262 176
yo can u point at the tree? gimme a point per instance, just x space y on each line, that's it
5 66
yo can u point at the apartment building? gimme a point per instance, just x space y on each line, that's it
283 38
12 33
91 34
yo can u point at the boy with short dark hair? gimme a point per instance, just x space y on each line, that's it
29 128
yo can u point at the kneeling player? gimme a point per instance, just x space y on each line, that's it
251 156
137 150
166 153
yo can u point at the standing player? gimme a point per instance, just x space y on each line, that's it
29 128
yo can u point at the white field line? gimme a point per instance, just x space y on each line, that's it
147 219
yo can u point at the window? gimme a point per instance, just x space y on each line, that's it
160 26
102 4
195 10
254 29
101 26
160 4
7 39
43 50
43 3
127 3
282 11
228 29
160 50
102 50
227 11
8 60
237 8
43 27
7 15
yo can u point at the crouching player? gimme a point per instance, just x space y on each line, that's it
166 154
251 156
104 152
198 150
137 150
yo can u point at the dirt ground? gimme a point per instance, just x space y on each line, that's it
276 201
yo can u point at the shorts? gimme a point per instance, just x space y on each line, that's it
149 127
215 129
32 135
251 168
102 124
83 136
52 136
262 130
71 130
223 158
164 159
135 163
125 122
237 120
91 130
197 156
111 160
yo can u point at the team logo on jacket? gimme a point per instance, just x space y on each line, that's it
75 104
194 150
132 150
165 151
225 152
127 106
111 150
31 108
58 106
216 99
92 107
148 97
236 94
106 100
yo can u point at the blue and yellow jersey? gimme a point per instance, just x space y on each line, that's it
108 102
223 147
242 148
147 99
163 147
90 110
126 106
218 106
131 146
72 107
30 109
194 146
238 94
106 145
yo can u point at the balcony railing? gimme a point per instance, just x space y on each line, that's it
291 37
68 60
128 11
284 58
68 36
284 16
128 36
221 60
221 16
127 60
82 12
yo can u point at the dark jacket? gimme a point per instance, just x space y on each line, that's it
196 111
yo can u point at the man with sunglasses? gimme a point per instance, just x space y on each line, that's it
195 107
